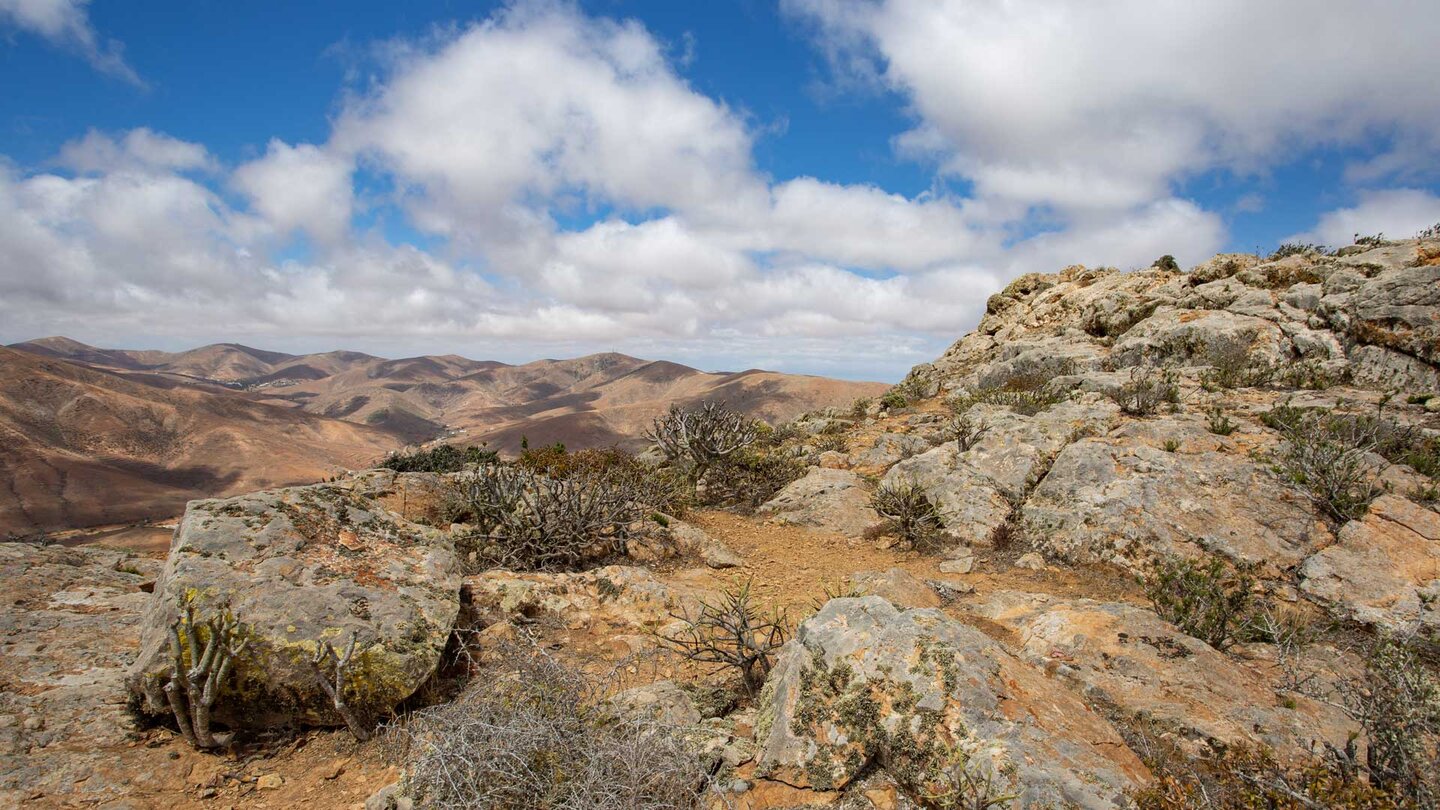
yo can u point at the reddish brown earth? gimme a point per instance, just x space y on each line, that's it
81 446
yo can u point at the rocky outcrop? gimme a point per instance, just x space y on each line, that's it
295 568
69 623
1131 659
1384 569
935 703
832 500
1124 498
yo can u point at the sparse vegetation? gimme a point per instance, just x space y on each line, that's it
860 407
1210 599
1148 389
201 657
751 478
695 440
1218 423
1330 456
1171 445
731 633
1296 249
537 736
1398 705
1233 366
1167 262
965 431
1372 240
442 458
1026 389
911 513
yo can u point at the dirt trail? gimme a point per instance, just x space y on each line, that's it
791 566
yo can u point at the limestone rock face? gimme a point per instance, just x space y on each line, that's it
69 622
1384 569
932 702
1148 668
295 567
1122 499
896 586
833 500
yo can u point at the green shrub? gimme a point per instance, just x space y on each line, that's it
894 400
750 478
1218 423
1330 457
910 513
442 458
860 407
1211 600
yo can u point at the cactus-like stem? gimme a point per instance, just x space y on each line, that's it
336 691
192 691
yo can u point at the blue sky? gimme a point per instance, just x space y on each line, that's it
825 186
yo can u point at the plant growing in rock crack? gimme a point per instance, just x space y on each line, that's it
198 673
965 431
1330 456
1212 600
1218 423
1147 389
696 439
336 684
731 633
911 513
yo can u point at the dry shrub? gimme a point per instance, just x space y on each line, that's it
527 521
697 439
1398 705
731 633
911 513
444 458
539 735
1147 390
749 479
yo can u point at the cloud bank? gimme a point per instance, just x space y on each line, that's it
441 211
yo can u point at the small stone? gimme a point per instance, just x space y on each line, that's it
1032 561
960 566
270 781
34 723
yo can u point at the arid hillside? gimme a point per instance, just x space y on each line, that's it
593 401
82 446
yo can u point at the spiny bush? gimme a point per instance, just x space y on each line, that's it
527 521
910 512
538 736
750 478
1432 232
965 431
443 458
1147 389
697 439
1372 240
1212 600
731 633
1330 457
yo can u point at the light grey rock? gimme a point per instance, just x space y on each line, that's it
663 702
1123 499
896 586
294 567
833 500
691 539
1384 569
890 448
69 623
1144 666
863 682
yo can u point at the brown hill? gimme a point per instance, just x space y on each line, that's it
81 445
597 400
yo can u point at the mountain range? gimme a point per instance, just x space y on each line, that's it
96 436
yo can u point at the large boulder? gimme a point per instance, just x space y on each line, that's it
294 568
935 703
833 500
1384 569
1124 499
1146 667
